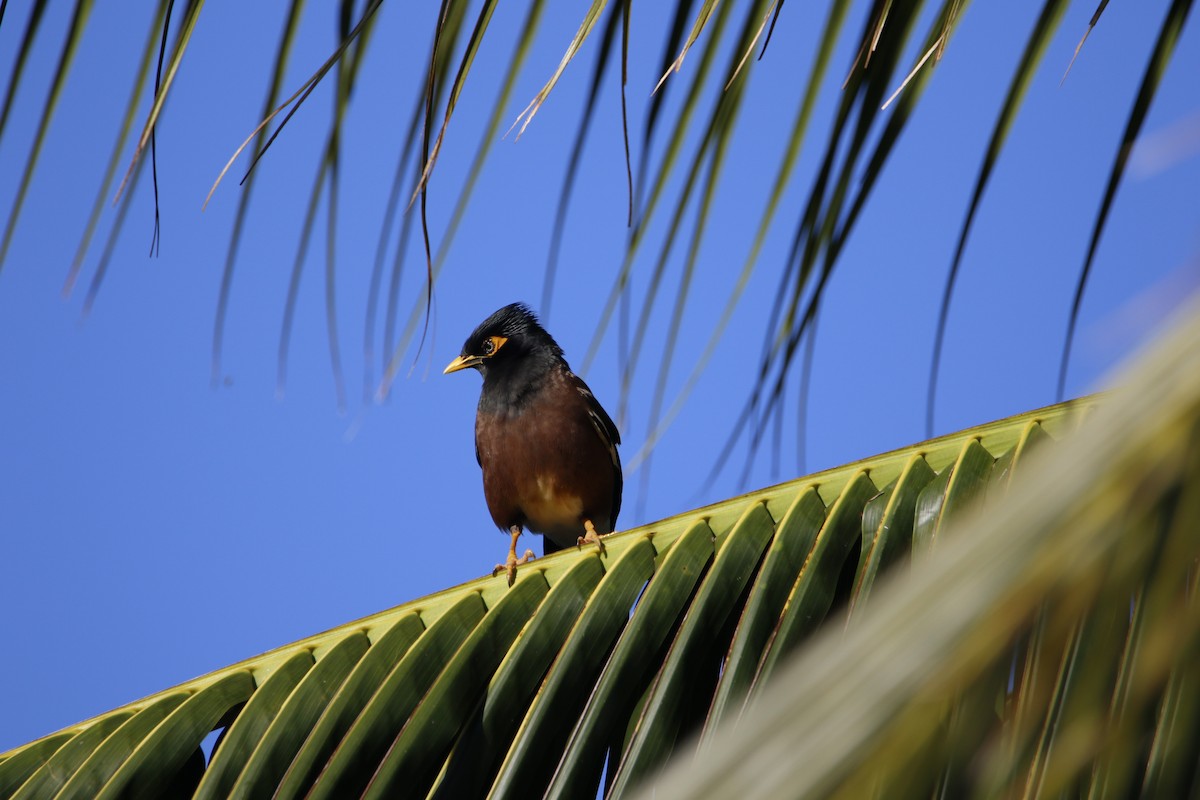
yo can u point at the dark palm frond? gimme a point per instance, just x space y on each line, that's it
1035 48
585 28
896 48
575 160
644 211
832 208
347 58
1086 33
1164 47
162 84
799 126
413 155
355 40
140 74
70 45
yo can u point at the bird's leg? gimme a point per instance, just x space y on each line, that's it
591 537
510 566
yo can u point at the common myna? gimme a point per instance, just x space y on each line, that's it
547 448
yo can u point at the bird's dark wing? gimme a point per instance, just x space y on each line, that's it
611 437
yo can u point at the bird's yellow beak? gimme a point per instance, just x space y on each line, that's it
462 362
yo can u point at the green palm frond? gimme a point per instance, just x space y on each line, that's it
1049 647
849 632
955 617
561 651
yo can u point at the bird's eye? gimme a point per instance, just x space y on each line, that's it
491 345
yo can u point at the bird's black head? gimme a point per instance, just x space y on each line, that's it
509 346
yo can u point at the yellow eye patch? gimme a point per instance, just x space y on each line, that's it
492 345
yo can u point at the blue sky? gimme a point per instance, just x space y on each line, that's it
156 528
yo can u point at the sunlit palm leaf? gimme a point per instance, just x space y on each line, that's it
537 687
1087 570
1041 639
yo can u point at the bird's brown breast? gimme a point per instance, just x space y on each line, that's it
545 466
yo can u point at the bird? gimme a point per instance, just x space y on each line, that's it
547 448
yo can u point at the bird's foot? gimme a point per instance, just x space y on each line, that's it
510 565
591 537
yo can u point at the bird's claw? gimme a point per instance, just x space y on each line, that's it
510 566
591 538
